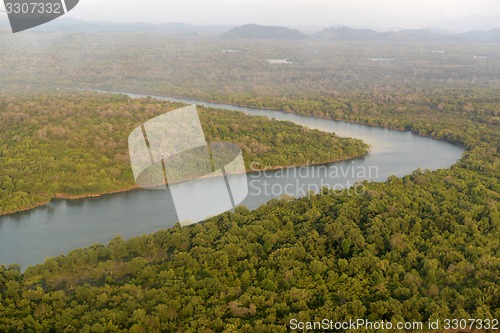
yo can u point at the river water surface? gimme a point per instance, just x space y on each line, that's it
27 238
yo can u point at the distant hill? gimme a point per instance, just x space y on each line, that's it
469 23
481 36
423 34
346 33
350 34
68 24
254 31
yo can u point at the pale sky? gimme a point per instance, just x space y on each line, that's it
356 13
406 13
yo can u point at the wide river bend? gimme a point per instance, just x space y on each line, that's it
27 238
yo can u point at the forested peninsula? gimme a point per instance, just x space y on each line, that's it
70 145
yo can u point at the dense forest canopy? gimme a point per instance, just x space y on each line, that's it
422 247
190 66
75 144
425 246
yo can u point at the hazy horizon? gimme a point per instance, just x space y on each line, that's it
382 15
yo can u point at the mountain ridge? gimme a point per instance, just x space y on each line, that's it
255 31
347 33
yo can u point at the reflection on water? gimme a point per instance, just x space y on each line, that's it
29 237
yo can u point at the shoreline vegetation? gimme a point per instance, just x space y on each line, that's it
416 248
277 109
298 113
62 196
265 141
429 254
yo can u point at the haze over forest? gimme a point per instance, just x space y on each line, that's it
307 16
367 84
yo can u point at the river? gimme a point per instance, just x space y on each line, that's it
27 238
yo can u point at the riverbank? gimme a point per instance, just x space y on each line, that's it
63 196
29 238
228 105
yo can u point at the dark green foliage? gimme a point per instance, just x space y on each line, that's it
252 31
421 247
76 144
419 257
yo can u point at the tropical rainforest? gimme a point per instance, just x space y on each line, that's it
422 247
75 144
